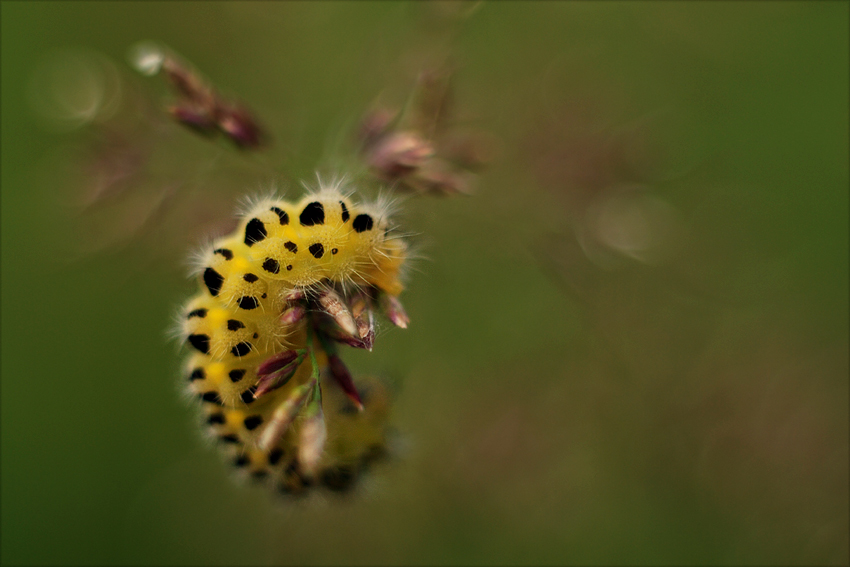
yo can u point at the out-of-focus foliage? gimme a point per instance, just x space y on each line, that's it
629 344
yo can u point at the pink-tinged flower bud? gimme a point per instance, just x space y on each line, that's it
335 333
343 377
238 125
294 294
292 315
195 118
184 82
278 361
394 310
278 378
399 154
283 416
313 435
333 305
437 176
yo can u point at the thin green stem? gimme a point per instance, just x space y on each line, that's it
316 401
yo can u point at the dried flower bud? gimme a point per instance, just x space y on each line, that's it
283 416
313 435
238 125
334 333
332 304
343 377
439 177
368 341
200 107
294 294
198 120
399 154
352 342
358 302
394 310
366 326
187 83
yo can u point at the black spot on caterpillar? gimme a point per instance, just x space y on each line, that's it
362 223
271 265
255 231
228 254
241 349
234 325
313 214
317 250
211 397
248 395
213 281
284 218
200 342
253 422
275 455
250 278
247 302
236 375
197 313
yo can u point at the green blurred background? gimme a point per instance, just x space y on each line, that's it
629 346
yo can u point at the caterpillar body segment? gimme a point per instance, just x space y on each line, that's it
285 256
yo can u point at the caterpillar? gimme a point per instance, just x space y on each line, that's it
275 296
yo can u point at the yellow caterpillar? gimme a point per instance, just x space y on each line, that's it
284 255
